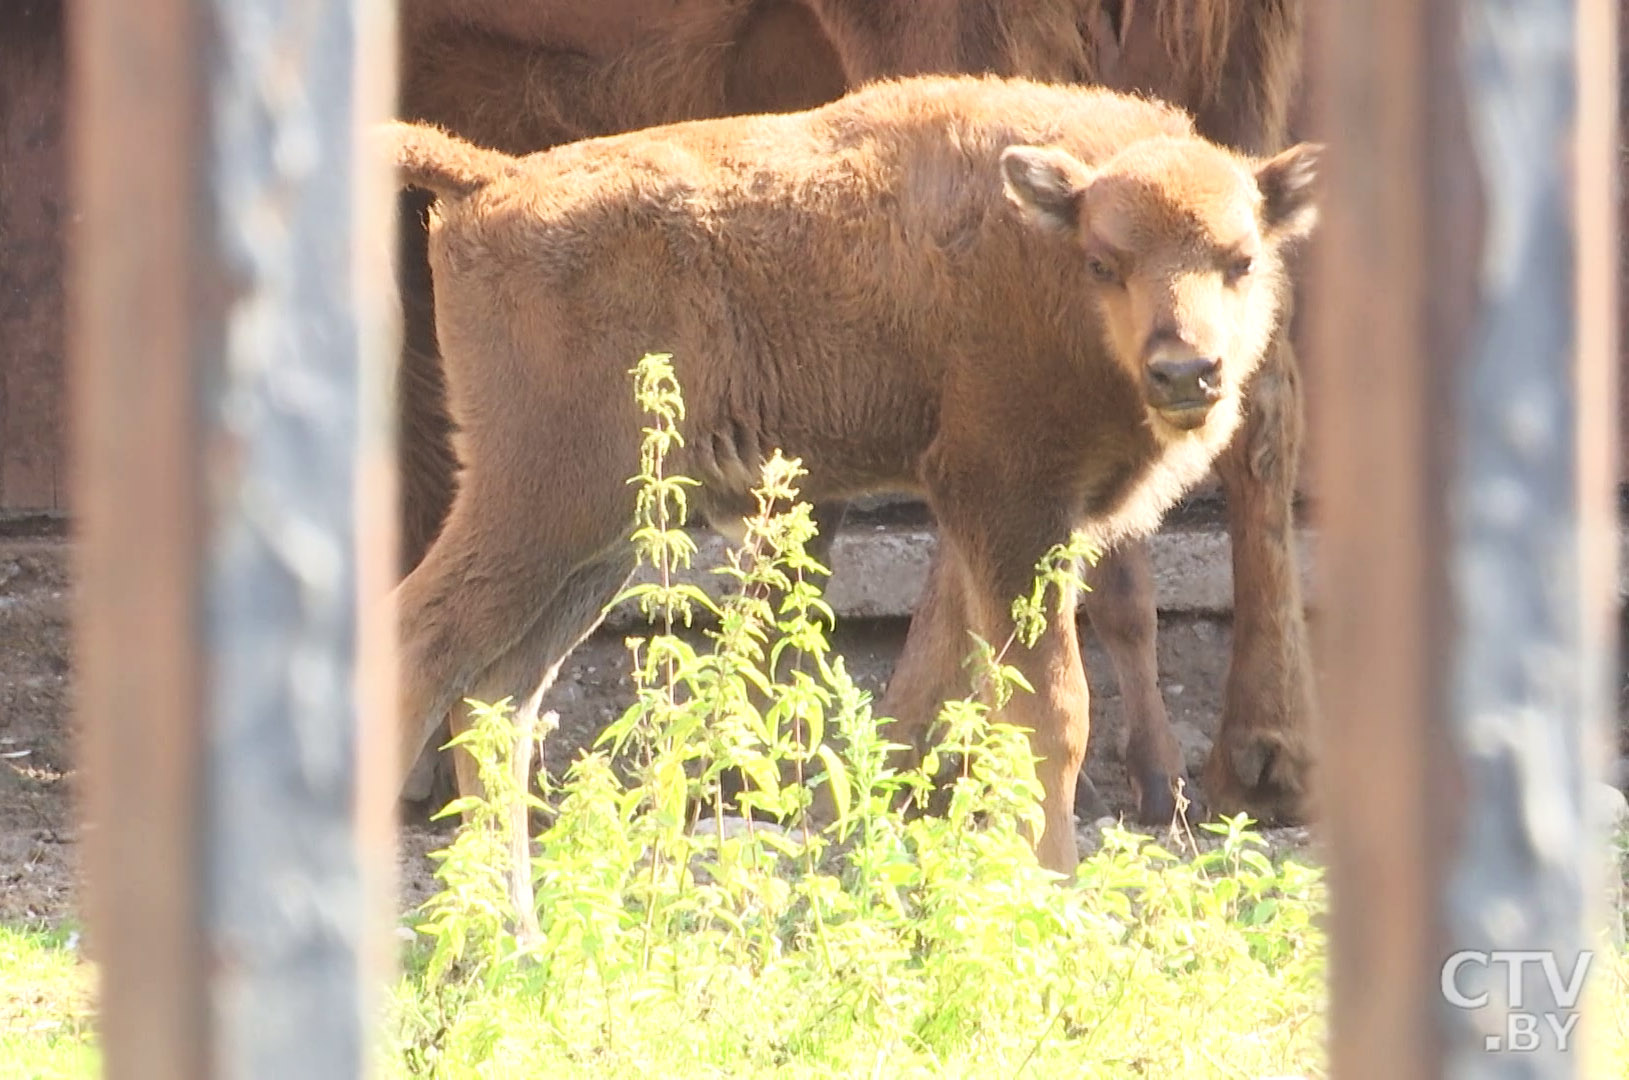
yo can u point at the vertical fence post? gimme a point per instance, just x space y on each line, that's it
1463 321
230 289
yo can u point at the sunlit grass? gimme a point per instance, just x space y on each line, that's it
46 1006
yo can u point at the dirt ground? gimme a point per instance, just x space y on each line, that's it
38 849
39 852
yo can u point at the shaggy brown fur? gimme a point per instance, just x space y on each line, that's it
886 287
701 59
524 74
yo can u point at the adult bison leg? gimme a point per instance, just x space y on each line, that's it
425 460
1120 603
1261 761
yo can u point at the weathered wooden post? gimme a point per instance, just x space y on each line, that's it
1464 320
229 308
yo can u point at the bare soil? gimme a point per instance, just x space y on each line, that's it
38 852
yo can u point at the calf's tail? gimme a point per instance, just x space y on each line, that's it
427 157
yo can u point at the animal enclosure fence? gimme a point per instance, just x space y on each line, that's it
1465 326
234 500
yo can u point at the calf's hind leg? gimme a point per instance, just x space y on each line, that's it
930 669
488 585
526 671
1120 603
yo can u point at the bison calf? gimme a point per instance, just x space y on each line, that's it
1035 306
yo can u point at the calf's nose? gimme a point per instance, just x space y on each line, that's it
1183 382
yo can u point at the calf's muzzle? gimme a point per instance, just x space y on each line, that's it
1183 387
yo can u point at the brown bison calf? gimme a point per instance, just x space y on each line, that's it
1033 305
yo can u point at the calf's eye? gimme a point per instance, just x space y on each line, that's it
1102 271
1239 269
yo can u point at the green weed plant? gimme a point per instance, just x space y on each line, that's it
685 931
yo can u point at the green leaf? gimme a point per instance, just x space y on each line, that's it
836 780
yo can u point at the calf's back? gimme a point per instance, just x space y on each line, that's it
833 283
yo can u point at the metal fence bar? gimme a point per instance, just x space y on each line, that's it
228 402
1463 429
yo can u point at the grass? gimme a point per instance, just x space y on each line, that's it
1150 966
46 1007
746 1022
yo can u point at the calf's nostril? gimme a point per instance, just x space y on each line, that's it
1210 376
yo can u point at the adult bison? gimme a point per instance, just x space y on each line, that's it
885 287
519 75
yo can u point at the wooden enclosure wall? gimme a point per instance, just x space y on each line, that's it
33 219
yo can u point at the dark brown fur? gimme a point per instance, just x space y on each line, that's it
701 59
524 74
886 287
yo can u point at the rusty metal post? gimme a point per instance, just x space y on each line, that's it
1464 321
230 305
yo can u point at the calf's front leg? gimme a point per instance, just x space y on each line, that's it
1057 715
993 531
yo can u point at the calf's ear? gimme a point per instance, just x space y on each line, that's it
1288 184
1046 184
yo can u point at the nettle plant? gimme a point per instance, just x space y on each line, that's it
664 898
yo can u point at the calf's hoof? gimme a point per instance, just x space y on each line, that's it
1154 769
1156 793
420 783
1089 804
1155 786
1260 773
1156 802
